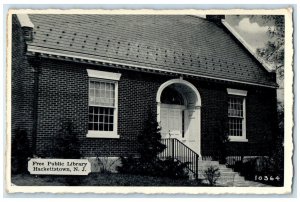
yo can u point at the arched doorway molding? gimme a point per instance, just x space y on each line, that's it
192 119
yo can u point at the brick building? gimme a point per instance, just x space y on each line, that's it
105 72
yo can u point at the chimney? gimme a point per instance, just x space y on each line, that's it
215 18
26 25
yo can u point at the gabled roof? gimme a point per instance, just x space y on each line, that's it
174 43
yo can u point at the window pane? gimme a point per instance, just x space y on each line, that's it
102 86
105 127
97 85
101 110
100 118
92 84
96 110
91 126
235 126
102 94
95 126
101 127
235 106
111 127
111 119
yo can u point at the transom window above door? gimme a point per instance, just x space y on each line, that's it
171 96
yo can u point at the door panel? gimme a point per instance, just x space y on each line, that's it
171 120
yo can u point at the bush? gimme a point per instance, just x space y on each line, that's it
150 140
221 140
161 168
263 167
129 165
173 168
105 164
65 143
20 152
212 174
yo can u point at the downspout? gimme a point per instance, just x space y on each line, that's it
35 64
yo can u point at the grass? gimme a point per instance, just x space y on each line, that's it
98 179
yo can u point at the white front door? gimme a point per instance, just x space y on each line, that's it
172 121
181 123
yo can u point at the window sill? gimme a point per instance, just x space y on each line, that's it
234 139
102 134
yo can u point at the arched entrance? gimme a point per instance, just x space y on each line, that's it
178 112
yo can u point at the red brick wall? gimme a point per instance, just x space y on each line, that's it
63 95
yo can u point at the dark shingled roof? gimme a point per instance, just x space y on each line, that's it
180 43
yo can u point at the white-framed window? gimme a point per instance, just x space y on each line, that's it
103 104
237 115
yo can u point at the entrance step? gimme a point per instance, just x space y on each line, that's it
228 176
208 163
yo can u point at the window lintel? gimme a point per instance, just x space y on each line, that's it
232 91
103 75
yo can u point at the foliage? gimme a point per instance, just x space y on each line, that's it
222 139
161 168
260 166
105 164
173 168
150 140
273 52
129 165
65 143
277 154
20 151
212 174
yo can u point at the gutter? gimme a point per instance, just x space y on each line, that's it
89 60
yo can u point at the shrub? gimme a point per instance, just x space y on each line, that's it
129 165
169 167
261 166
150 140
212 174
105 164
66 143
222 139
20 151
173 168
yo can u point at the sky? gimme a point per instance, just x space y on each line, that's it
251 30
254 32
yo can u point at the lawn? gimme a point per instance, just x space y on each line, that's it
98 179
